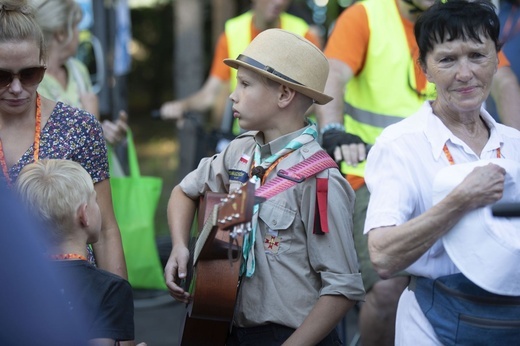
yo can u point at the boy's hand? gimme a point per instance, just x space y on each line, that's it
175 271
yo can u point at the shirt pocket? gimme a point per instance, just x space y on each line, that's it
278 220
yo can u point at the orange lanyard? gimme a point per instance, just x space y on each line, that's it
450 158
270 168
36 152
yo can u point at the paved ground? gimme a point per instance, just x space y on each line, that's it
157 319
158 316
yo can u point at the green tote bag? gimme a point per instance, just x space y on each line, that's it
135 200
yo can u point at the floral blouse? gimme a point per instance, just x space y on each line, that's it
72 134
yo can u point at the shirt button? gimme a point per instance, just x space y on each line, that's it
275 222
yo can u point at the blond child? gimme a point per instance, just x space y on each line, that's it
62 195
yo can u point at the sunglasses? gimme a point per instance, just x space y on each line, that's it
28 76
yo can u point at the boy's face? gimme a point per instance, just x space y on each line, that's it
94 217
254 101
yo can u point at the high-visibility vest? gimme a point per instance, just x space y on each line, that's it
384 92
238 34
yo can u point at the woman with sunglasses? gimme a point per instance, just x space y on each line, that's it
33 127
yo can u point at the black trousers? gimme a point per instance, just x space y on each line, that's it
271 335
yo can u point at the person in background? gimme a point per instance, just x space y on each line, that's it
509 15
294 291
458 52
238 33
67 78
33 127
61 195
375 82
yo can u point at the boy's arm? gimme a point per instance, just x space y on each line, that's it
325 316
181 211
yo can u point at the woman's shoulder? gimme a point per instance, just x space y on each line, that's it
508 131
71 119
67 112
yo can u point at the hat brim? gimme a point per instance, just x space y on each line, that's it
318 97
484 248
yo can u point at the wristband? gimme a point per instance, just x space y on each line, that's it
332 126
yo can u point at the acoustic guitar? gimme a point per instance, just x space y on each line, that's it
213 271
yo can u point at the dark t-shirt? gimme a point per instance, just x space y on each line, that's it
106 298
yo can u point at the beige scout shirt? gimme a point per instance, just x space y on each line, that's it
293 265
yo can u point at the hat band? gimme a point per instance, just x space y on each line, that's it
261 66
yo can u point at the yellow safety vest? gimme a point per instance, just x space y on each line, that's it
384 91
238 34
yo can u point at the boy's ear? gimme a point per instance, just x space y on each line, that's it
60 35
286 95
82 215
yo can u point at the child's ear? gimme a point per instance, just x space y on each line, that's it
60 35
83 215
286 95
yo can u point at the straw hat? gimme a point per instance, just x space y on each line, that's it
484 248
288 59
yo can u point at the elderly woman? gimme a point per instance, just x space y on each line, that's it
458 43
33 127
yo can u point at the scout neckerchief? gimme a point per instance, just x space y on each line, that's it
261 170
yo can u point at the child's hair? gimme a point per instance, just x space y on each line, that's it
55 15
17 23
54 190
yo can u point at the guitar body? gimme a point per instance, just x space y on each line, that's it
213 280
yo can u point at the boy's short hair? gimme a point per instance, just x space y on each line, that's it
53 190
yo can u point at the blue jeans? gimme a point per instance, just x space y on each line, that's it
271 335
462 313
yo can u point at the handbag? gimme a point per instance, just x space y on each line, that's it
461 313
135 199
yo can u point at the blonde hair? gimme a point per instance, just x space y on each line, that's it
17 23
54 189
55 15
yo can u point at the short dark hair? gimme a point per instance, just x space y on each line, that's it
456 19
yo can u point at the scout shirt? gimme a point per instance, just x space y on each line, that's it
294 266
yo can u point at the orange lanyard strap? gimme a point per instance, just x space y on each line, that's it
265 174
36 146
68 256
450 158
